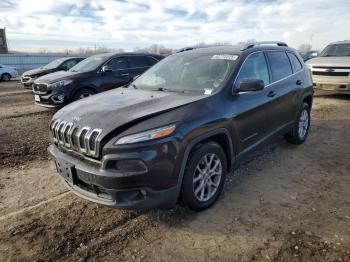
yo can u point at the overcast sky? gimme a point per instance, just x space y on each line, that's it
70 24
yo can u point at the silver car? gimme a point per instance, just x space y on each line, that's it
331 69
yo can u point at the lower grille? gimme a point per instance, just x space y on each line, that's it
83 140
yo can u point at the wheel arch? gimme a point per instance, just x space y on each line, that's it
308 100
83 87
221 135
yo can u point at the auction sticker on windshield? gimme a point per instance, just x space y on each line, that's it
225 57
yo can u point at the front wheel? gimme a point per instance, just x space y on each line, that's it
301 126
204 176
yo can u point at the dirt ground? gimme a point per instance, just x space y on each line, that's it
283 203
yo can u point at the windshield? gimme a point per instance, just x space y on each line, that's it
336 50
54 63
188 72
89 64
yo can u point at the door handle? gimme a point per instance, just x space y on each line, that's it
271 93
299 82
126 74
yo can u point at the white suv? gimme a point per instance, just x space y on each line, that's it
331 69
7 72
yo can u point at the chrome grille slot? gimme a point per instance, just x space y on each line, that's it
66 136
92 140
83 140
60 132
74 137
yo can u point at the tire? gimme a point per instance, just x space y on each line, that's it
83 93
5 77
301 126
200 201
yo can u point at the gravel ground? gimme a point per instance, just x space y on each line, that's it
283 203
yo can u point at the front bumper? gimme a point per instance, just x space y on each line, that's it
93 182
51 99
342 88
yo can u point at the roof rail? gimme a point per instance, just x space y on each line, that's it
278 43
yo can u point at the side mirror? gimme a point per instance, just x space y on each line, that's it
249 84
106 69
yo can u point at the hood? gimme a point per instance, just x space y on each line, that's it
331 61
58 76
115 108
38 71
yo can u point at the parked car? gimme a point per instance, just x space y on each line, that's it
331 69
61 64
7 72
181 127
309 55
95 74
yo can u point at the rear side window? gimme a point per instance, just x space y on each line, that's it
295 62
138 61
118 63
255 66
280 65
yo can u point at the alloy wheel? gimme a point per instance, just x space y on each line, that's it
207 177
303 124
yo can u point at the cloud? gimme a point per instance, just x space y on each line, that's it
137 23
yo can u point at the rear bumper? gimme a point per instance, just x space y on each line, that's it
116 190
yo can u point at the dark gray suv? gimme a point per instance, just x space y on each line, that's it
179 128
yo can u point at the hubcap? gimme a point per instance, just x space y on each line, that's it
303 124
207 177
83 95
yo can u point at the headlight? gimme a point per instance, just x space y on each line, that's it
61 83
147 135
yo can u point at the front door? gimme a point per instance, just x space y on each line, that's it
252 110
119 75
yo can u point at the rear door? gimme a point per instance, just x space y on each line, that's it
138 64
281 91
119 75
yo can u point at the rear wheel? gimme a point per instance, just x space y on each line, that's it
83 93
204 176
301 126
5 77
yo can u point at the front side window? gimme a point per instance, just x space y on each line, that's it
280 65
336 50
188 72
118 63
254 67
138 61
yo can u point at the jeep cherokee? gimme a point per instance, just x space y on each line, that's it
180 127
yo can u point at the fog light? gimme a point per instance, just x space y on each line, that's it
57 98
